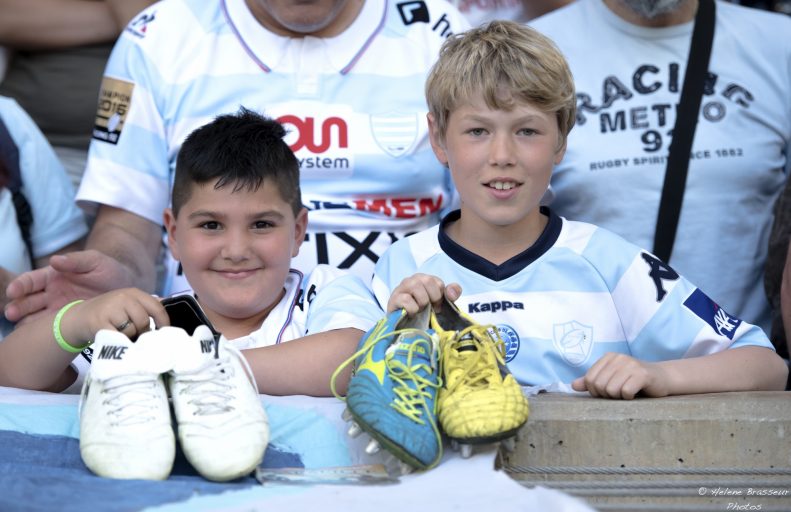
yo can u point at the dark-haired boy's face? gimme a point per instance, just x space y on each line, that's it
236 248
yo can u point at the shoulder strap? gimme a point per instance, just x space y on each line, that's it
684 130
9 158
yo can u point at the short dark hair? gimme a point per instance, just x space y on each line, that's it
242 150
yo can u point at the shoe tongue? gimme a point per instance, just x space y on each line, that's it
404 344
466 344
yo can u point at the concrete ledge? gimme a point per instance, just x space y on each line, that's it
689 452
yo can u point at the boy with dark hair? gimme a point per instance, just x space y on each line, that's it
235 224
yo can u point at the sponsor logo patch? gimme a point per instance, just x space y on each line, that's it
711 313
115 98
321 144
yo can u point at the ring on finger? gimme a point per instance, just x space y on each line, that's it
124 325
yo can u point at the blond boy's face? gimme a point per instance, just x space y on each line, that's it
236 247
500 160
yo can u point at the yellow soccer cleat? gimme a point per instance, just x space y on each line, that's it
479 401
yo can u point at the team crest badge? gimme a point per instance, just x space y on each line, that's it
395 133
574 342
510 339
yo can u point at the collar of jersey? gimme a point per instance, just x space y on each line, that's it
511 267
267 48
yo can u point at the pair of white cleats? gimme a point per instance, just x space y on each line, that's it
125 421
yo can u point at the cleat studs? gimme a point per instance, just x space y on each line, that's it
509 444
405 468
520 434
354 429
346 415
373 447
454 445
466 451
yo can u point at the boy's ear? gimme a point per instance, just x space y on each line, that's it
170 226
299 230
436 140
560 152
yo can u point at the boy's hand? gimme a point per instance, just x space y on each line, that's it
126 310
620 376
417 291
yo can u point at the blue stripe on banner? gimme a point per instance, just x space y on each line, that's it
46 473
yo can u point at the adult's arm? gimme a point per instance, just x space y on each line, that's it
47 24
123 11
121 251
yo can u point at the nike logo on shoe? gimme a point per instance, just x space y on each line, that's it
112 352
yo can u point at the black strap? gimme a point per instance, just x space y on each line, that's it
9 159
684 131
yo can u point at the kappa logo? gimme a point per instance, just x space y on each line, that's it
413 12
395 133
494 307
573 341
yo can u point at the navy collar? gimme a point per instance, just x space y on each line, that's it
513 266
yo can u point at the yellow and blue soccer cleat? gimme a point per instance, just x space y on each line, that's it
479 400
392 393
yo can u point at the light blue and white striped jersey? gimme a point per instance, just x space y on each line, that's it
353 104
580 291
324 300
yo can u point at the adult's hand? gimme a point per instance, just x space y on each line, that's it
77 275
6 277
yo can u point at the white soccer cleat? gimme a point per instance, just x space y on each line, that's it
222 426
125 427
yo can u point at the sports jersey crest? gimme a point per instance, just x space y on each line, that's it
394 132
573 341
511 340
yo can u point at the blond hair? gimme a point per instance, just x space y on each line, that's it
496 58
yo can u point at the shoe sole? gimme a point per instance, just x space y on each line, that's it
387 444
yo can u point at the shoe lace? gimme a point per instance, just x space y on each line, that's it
378 334
211 385
477 352
411 402
131 399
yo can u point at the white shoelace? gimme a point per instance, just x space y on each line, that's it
210 385
132 399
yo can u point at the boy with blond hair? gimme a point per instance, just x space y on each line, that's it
574 304
548 302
